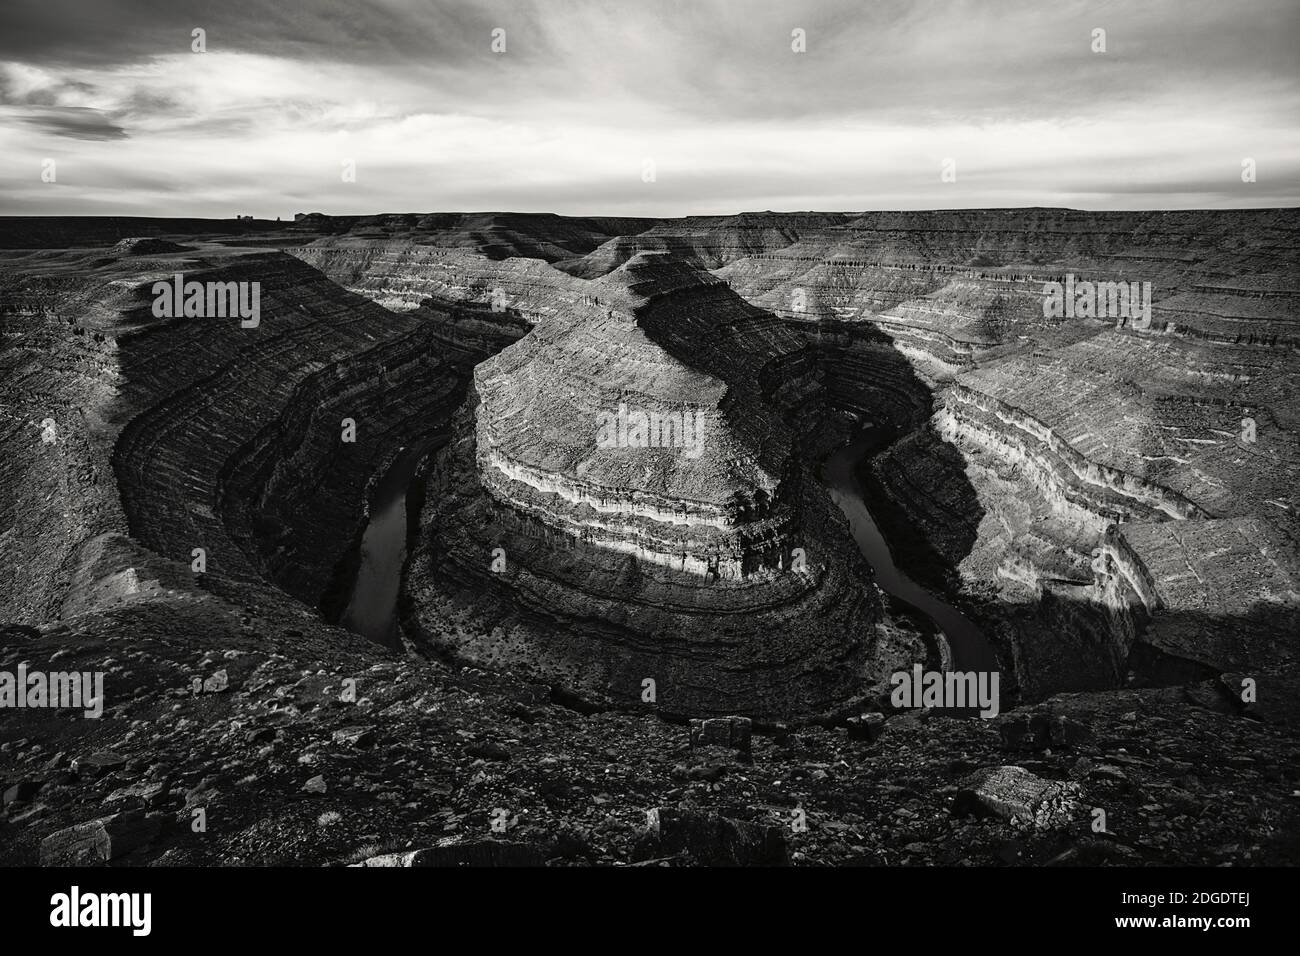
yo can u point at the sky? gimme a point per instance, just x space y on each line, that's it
652 107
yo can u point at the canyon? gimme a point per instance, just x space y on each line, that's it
1101 510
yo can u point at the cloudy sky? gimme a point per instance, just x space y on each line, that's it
588 93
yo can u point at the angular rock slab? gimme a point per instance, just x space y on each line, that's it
867 727
731 732
1014 794
715 840
22 791
99 763
98 841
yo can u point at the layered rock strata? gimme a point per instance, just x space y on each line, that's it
495 235
199 433
705 560
1022 438
1050 473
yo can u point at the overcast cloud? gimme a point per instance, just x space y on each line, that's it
586 92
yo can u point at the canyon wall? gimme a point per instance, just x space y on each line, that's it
1066 427
710 563
1021 439
1097 491
198 433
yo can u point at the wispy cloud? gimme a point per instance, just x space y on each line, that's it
588 91
74 122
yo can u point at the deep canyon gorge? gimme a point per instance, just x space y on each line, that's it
901 459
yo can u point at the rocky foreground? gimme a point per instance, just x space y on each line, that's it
237 733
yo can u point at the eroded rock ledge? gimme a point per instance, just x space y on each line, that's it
200 434
721 571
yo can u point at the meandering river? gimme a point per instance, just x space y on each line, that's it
969 649
372 608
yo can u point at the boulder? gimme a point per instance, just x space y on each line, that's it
730 732
98 841
867 727
355 736
22 791
1014 794
148 792
98 763
715 840
487 750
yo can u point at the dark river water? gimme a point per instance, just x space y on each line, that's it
970 651
372 608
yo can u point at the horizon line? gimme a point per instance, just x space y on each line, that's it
706 215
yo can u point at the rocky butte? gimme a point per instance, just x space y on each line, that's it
722 572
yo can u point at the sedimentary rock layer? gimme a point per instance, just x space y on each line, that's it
199 433
1063 426
709 562
1049 471
1024 436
